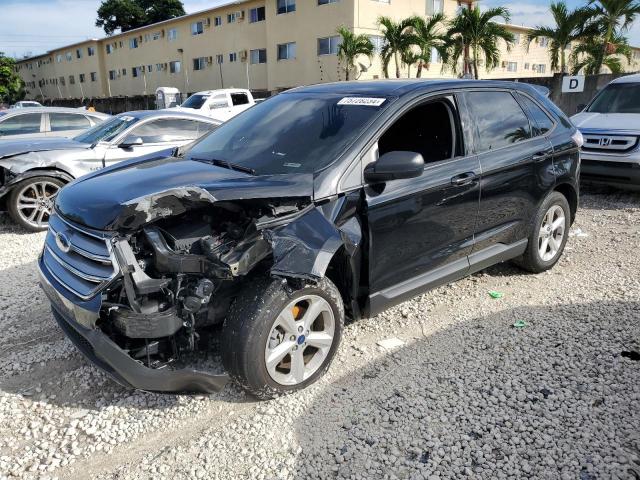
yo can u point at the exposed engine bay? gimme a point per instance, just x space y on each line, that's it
180 274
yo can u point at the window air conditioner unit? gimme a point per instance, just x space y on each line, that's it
243 55
240 15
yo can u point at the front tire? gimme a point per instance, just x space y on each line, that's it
276 340
548 236
31 202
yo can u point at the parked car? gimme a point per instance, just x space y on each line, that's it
610 125
325 201
219 104
32 172
28 123
26 104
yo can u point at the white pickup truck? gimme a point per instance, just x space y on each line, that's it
219 104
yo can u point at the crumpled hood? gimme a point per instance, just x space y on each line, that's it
607 121
131 194
11 148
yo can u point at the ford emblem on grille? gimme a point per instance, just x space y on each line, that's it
62 242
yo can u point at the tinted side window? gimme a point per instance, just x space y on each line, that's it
498 118
171 130
542 122
68 121
21 124
239 98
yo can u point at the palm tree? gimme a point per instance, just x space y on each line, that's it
612 18
478 31
397 37
352 45
570 26
589 57
427 35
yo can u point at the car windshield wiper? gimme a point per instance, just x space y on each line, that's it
225 164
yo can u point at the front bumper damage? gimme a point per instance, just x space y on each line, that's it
78 319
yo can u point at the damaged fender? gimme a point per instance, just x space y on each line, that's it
305 247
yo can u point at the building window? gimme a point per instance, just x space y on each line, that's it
432 7
135 71
217 21
159 67
258 56
93 76
91 51
512 66
112 74
109 48
516 38
219 59
526 66
231 17
172 34
378 42
69 58
155 36
435 55
286 6
199 63
287 51
124 72
543 41
147 37
326 2
149 68
72 80
174 67
257 15
233 57
78 53
59 57
133 42
328 45
81 77
542 68
197 28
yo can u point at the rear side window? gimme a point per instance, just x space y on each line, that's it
499 120
60 122
239 99
541 121
171 130
21 124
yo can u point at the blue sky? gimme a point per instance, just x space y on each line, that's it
34 26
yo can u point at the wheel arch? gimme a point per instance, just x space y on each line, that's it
571 194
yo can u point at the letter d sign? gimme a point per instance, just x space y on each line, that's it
573 84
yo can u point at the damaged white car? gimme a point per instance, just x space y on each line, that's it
32 172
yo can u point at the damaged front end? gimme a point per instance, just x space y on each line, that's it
147 300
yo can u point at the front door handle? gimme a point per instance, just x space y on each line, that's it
466 178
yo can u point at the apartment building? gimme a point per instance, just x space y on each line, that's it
265 45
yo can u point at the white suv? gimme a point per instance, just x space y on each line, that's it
610 125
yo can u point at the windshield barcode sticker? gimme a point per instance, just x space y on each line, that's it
366 101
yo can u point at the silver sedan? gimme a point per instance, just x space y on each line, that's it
27 123
32 172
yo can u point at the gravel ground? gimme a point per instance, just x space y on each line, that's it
467 393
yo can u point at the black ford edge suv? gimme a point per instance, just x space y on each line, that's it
322 202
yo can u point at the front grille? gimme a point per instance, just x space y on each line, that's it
609 143
80 260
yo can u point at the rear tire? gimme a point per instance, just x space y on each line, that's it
31 202
549 233
276 340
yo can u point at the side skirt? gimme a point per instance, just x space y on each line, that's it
387 298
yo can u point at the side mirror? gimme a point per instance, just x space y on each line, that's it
131 142
580 107
394 166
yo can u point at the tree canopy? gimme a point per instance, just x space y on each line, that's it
126 15
11 85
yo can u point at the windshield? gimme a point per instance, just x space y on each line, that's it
195 101
106 131
617 98
290 133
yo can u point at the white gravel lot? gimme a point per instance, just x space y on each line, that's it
467 395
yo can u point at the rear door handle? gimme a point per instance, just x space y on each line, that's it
466 178
541 156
